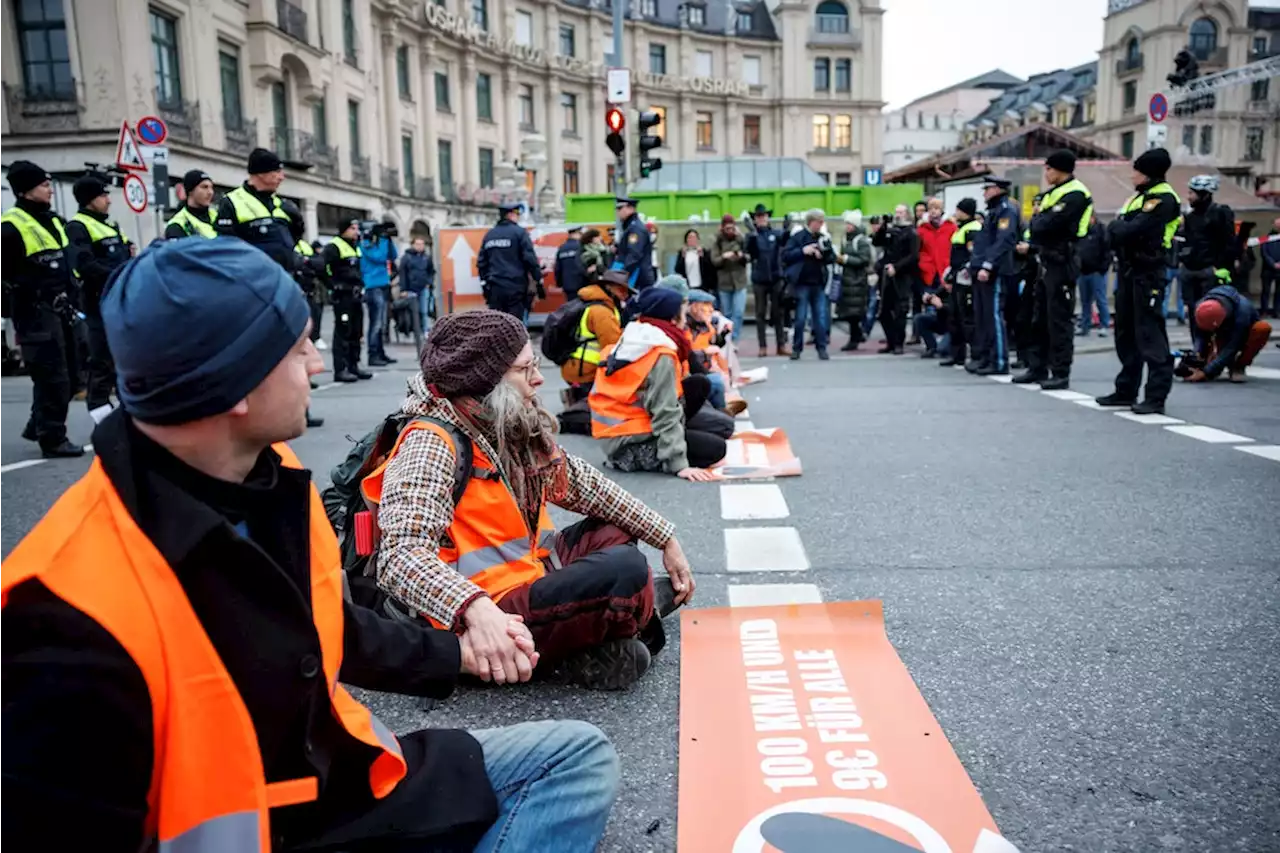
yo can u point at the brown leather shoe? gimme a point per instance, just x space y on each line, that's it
783 350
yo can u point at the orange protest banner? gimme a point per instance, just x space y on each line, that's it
758 453
802 732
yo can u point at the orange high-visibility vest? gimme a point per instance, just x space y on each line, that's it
707 338
488 540
615 399
208 792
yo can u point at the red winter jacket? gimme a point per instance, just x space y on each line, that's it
935 249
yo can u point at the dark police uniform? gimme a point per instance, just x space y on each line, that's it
192 222
1063 219
39 294
1142 237
97 250
570 275
960 300
635 251
346 292
506 264
993 252
258 218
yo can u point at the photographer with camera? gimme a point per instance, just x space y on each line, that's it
378 257
38 295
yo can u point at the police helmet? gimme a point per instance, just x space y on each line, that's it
1204 183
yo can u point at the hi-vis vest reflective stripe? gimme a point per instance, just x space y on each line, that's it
249 209
961 235
194 226
1056 193
589 352
345 250
302 247
99 230
488 539
615 400
208 793
35 237
1139 199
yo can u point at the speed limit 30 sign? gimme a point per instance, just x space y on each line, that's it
135 193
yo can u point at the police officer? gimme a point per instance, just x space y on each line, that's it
508 264
960 283
992 268
570 275
197 216
346 292
1063 218
1142 237
635 247
1208 250
38 293
1020 299
97 248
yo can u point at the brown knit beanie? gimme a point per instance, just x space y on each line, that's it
467 354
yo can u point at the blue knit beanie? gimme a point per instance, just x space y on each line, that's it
196 324
660 303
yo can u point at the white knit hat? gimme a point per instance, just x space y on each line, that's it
852 217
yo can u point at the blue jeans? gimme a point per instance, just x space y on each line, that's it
716 397
1179 301
425 300
555 780
733 304
376 299
811 298
934 334
1093 289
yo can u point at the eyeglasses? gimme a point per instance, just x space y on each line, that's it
530 370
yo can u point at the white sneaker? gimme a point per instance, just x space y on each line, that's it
320 344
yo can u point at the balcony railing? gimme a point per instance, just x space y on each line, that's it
292 20
241 135
1213 57
300 148
182 119
391 181
424 188
360 172
834 30
1129 64
831 24
43 110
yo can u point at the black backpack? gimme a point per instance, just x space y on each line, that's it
343 500
560 334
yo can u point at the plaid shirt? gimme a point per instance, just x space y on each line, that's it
417 509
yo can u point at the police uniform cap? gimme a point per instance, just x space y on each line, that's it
624 200
993 181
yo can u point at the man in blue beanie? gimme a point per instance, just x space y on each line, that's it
179 615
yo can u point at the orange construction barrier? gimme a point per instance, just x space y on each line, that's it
802 732
757 453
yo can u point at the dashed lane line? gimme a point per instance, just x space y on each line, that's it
1209 434
1153 419
1004 378
1266 451
1263 372
1070 396
31 463
764 549
763 595
751 501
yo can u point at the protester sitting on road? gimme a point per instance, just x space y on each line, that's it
855 257
472 564
707 337
602 324
175 628
713 416
640 408
1233 333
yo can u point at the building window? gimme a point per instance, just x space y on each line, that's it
657 58
570 184
280 116
402 72
844 179
229 77
569 106
1189 137
751 134
648 8
42 44
1261 47
480 14
1203 38
526 107
1260 90
568 41
444 166
349 31
164 53
1061 117
486 168
821 132
744 22
1133 54
406 162
1130 96
821 75
1090 112
825 176
751 70
524 29
706 139
831 17
1126 144
844 132
844 75
320 122
353 127
704 64
442 92
697 17
1206 139
484 97
1253 137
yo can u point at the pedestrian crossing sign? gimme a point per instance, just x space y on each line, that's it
128 154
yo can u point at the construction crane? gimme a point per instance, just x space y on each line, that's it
1210 83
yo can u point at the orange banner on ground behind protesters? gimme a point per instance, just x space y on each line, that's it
801 731
758 453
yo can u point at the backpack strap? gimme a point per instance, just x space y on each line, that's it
463 454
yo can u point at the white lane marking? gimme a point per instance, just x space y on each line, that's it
742 416
765 594
25 463
958 366
757 455
324 387
1266 451
1153 419
743 426
1209 434
1072 396
1090 404
1000 377
1262 372
1027 386
751 501
764 549
734 452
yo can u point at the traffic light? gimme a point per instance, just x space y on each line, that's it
616 121
648 142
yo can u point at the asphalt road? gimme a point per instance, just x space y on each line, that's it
1089 604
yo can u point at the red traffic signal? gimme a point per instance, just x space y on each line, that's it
615 119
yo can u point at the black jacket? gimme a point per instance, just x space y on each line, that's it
343 274
28 282
570 275
175 231
764 247
1093 252
1208 238
1054 229
1001 231
901 244
275 237
802 270
77 715
1138 236
94 262
706 268
507 259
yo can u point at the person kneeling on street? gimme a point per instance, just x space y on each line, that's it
1232 334
708 332
641 407
176 637
472 563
